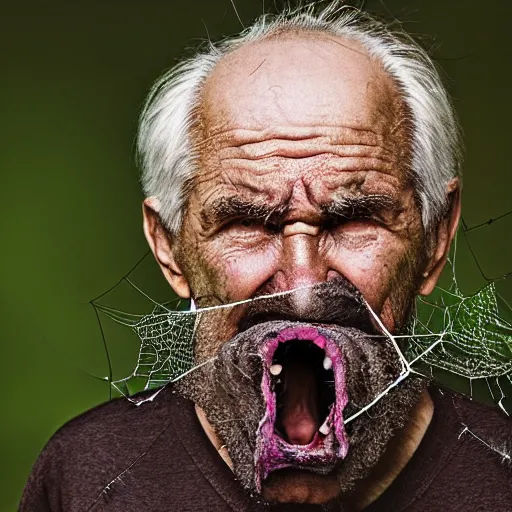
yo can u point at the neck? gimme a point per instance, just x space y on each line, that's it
213 437
398 453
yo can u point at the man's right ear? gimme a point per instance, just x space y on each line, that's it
160 242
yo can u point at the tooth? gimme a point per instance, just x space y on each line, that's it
327 363
276 369
325 428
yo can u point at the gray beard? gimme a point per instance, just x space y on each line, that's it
230 393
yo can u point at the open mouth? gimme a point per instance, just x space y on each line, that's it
304 389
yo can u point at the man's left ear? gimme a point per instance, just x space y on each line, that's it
445 234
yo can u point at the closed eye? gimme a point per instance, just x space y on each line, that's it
248 224
344 222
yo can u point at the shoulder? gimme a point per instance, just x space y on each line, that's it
118 425
490 423
486 436
484 441
465 463
121 416
468 411
88 451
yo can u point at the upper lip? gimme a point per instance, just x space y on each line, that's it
333 302
360 321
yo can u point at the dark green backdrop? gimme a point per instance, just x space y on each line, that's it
73 77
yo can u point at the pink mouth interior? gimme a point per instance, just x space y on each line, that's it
273 451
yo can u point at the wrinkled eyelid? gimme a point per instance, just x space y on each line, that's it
252 222
342 221
269 224
248 221
348 217
244 221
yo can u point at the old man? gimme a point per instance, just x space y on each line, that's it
302 186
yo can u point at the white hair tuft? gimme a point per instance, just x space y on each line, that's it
166 152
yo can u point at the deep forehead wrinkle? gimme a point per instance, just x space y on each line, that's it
323 166
238 137
304 149
276 176
323 147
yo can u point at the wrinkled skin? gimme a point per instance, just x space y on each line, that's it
303 178
301 150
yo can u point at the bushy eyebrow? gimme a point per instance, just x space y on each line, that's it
224 209
360 206
227 208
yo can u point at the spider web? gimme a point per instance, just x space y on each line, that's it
459 340
165 353
474 341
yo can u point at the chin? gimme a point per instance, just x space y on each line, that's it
301 487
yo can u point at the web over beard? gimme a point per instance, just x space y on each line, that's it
280 390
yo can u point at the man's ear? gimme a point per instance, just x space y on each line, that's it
443 238
160 242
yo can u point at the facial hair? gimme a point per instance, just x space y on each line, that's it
236 403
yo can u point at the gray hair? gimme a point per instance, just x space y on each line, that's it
165 148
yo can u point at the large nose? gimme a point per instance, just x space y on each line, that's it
302 265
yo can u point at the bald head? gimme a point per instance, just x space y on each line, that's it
300 79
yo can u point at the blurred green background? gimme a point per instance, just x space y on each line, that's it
73 78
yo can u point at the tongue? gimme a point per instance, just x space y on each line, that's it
299 417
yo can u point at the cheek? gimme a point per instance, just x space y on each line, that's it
247 273
243 271
371 269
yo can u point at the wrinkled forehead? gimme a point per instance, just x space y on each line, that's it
307 79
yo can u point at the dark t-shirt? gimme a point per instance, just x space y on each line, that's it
156 458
